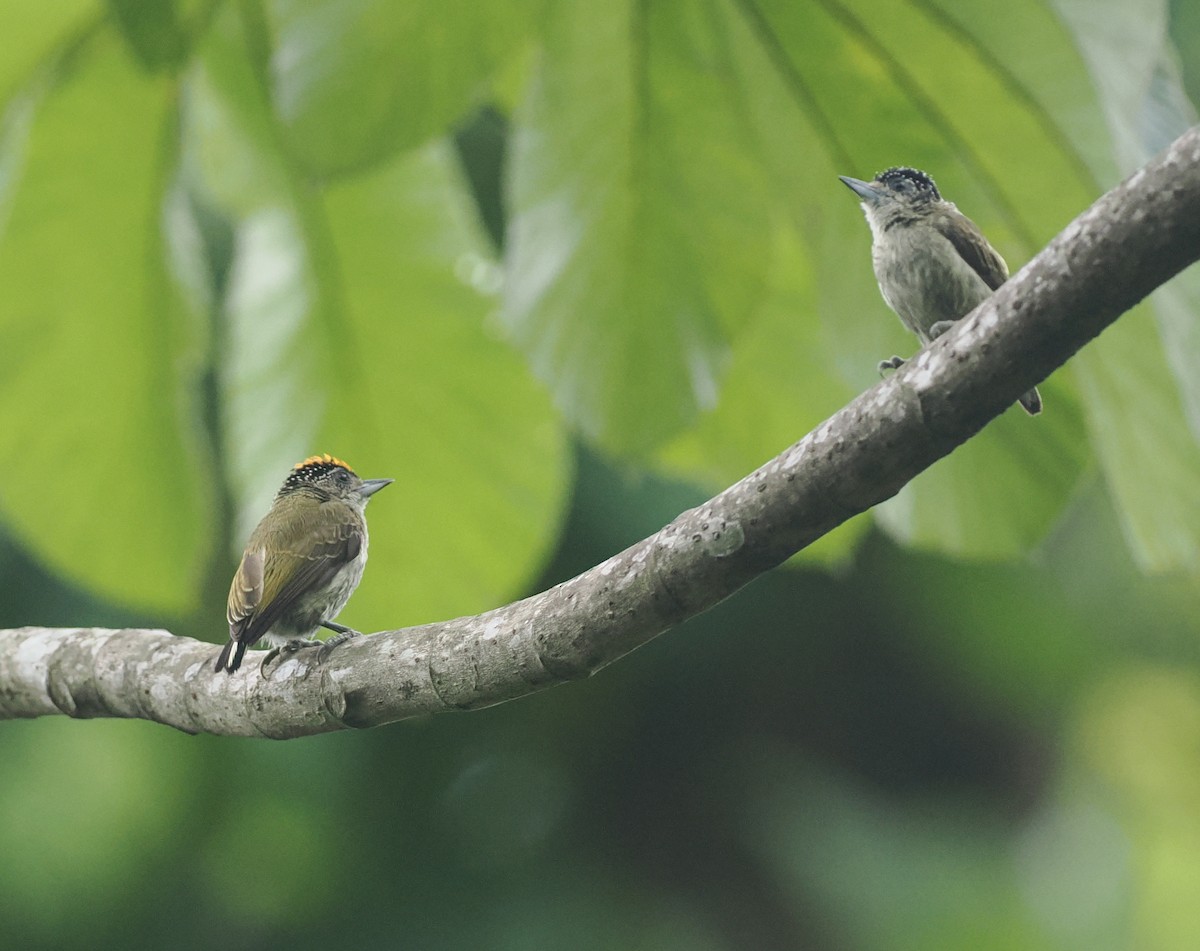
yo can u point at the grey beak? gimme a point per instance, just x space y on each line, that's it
864 190
371 486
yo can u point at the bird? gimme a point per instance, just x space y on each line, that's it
302 562
932 262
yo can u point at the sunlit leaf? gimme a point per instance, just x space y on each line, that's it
354 81
1151 459
108 489
639 233
854 88
435 400
356 324
1128 373
158 34
778 388
30 32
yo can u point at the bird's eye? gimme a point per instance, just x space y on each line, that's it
343 476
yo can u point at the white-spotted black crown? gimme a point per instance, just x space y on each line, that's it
911 180
312 470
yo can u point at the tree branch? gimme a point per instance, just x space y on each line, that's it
1128 243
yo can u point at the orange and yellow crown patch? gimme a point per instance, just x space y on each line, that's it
322 459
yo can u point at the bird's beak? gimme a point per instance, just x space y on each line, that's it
371 486
864 190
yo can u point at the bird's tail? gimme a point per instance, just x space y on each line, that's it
238 648
1031 402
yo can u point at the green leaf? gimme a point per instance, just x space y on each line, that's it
639 231
31 30
999 494
355 81
356 323
232 157
266 344
854 88
432 397
778 388
1124 44
105 485
870 85
157 33
1151 459
1185 34
1132 406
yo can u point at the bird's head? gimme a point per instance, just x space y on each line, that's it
895 195
325 478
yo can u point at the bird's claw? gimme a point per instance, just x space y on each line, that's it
329 644
940 328
293 646
892 363
296 644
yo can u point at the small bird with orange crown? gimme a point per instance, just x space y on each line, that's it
302 563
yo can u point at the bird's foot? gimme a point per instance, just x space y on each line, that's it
940 328
892 363
292 646
343 634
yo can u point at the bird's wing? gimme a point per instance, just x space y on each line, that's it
245 592
973 248
306 561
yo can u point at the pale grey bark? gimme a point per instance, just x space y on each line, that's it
1118 251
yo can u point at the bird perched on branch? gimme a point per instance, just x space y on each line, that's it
302 563
932 262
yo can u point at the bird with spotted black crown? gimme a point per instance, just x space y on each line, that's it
302 563
933 264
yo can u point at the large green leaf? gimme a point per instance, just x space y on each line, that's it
639 234
778 387
853 88
994 496
435 400
1143 389
354 81
356 324
30 30
1151 459
102 481
159 34
1185 35
267 348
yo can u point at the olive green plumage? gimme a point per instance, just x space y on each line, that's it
303 560
933 264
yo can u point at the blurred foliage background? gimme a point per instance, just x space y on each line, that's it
563 270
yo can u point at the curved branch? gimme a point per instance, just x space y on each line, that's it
1114 254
